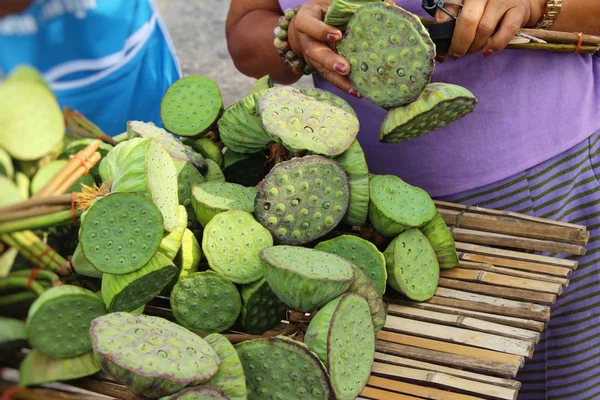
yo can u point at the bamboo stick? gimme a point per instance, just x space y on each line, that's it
562 37
498 291
444 380
378 394
460 335
513 272
32 212
413 389
406 362
79 172
516 264
501 280
463 322
64 199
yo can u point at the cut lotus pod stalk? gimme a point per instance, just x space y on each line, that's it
341 334
302 199
213 172
78 125
442 241
412 265
191 106
58 322
261 308
396 205
207 148
151 356
205 302
231 242
130 291
306 279
37 368
284 367
212 198
171 243
339 12
13 337
439 105
390 52
353 161
230 377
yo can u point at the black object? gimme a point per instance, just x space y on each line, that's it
441 34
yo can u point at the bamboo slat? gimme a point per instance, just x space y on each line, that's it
513 294
513 272
518 265
379 394
501 280
412 389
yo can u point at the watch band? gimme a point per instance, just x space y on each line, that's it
550 14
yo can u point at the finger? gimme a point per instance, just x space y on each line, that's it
340 81
309 21
511 23
321 54
466 27
441 16
493 14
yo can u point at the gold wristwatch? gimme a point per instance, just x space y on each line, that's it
550 14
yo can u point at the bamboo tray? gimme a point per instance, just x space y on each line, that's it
467 342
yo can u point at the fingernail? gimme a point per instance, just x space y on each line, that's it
455 56
354 92
441 59
339 67
332 37
488 53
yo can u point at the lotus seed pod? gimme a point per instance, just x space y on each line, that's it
207 148
396 205
339 12
212 198
75 146
241 128
13 335
82 265
7 168
28 73
302 199
231 242
442 241
301 121
187 177
261 308
341 334
264 83
59 320
133 290
305 279
205 302
187 260
47 172
37 368
10 192
364 287
214 172
390 53
121 232
23 184
361 253
171 243
244 169
113 161
137 311
230 378
151 356
354 163
412 265
31 122
198 393
191 106
439 105
281 368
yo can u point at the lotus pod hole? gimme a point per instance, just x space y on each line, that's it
47 172
231 242
281 368
302 199
230 378
37 368
191 106
390 53
121 232
355 165
130 291
304 122
306 279
339 12
396 205
58 321
198 393
361 253
212 198
205 302
341 334
261 308
439 105
442 241
151 356
207 148
412 265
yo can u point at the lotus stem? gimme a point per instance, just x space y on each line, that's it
64 199
49 276
80 126
34 250
562 37
16 298
11 283
555 47
39 222
33 212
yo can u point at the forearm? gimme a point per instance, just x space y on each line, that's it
250 43
579 16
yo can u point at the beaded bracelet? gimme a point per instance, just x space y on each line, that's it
299 66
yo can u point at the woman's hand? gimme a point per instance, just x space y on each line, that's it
313 40
489 25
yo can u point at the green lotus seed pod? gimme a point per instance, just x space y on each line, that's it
23 184
75 146
230 378
133 290
113 161
341 334
364 287
212 198
305 279
151 356
7 168
59 320
281 368
439 105
10 192
302 199
362 254
412 265
205 302
261 308
339 12
231 242
264 83
390 53
37 368
354 163
396 205
187 177
171 243
207 148
31 122
214 172
82 265
244 169
191 106
121 232
442 241
28 73
47 172
13 336
189 256
301 121
198 393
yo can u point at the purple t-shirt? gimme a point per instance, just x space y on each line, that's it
532 105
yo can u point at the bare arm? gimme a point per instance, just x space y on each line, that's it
579 16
